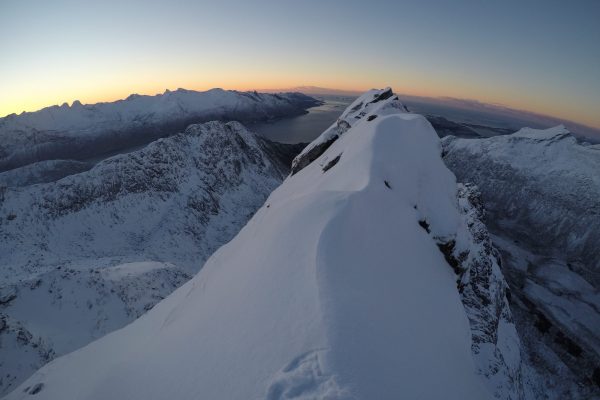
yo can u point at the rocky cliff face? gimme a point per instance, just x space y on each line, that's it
89 253
541 190
484 293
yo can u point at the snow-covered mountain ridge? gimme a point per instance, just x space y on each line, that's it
89 253
541 189
82 132
366 275
540 181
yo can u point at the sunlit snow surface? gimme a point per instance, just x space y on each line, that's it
331 291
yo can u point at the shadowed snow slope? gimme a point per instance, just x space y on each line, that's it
333 290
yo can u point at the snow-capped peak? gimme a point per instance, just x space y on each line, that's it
370 105
555 133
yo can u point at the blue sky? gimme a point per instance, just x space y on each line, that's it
543 56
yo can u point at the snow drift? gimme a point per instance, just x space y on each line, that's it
346 284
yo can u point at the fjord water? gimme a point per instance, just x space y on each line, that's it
304 128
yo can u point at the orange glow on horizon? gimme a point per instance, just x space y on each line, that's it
34 98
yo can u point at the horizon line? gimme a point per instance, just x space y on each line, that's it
318 91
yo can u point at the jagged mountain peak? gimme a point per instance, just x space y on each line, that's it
370 105
83 132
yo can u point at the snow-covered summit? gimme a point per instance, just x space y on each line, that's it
346 284
83 131
555 133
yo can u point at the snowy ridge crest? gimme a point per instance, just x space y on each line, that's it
368 106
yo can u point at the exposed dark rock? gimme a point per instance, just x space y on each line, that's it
386 94
331 163
542 323
568 344
424 225
447 249
311 155
36 388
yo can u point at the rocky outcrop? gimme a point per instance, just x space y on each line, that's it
368 105
473 258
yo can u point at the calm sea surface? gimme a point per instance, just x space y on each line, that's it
304 128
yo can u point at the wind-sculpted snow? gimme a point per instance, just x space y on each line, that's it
90 253
81 132
345 285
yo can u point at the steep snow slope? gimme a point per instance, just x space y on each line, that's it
90 253
339 287
541 189
81 132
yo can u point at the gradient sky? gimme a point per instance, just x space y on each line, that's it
541 56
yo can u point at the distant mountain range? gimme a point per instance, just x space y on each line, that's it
88 132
